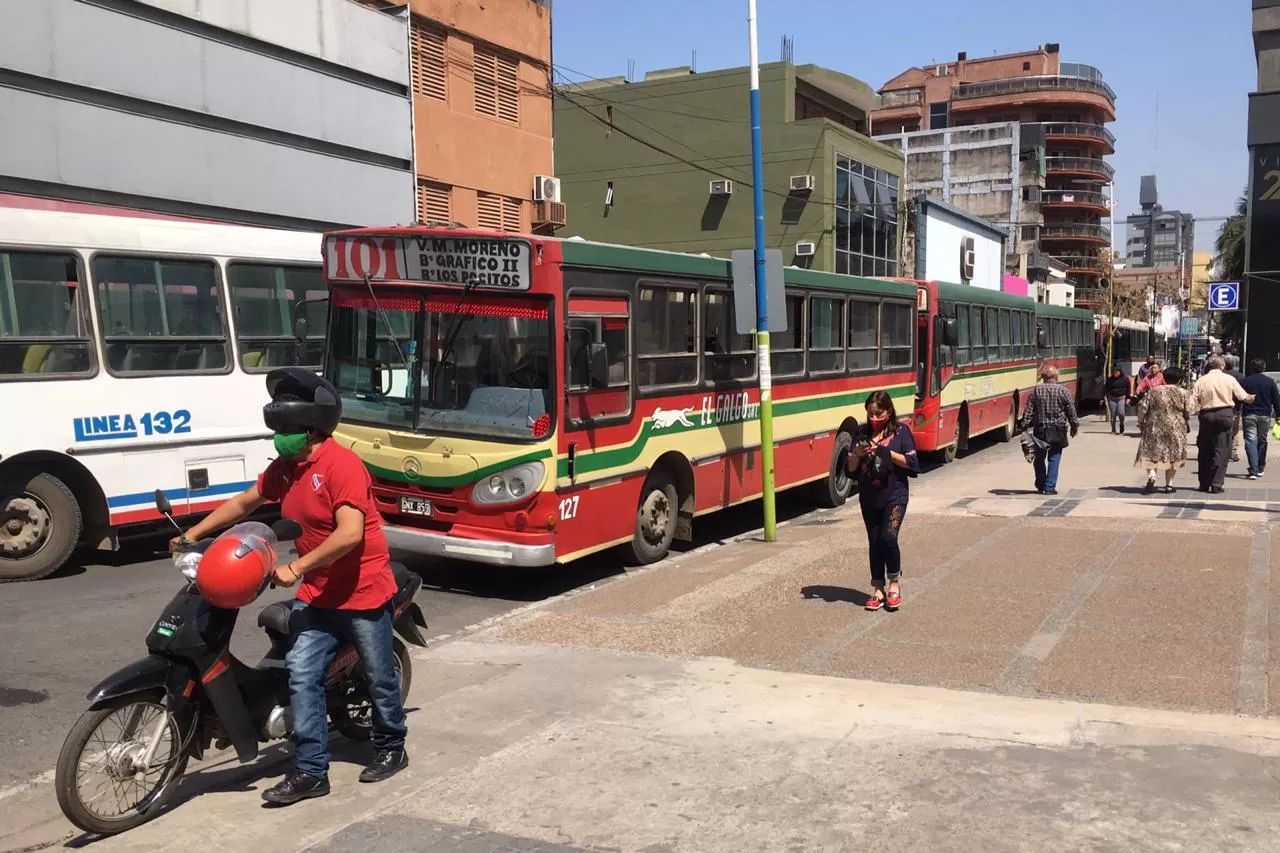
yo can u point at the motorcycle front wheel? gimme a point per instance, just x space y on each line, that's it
104 782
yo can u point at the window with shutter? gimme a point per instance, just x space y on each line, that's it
489 212
434 202
497 85
428 62
486 72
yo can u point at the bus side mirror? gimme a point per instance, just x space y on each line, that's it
598 365
950 332
300 340
1042 338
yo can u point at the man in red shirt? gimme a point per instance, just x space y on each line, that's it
345 571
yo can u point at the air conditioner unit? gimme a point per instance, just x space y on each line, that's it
549 213
722 187
801 183
805 248
546 188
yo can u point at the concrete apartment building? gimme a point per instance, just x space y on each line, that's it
1261 296
1064 105
1157 237
990 172
293 115
481 73
665 162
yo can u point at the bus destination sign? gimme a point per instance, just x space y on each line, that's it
494 263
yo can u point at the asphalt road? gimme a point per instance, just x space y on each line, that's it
62 635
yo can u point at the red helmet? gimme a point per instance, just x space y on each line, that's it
232 569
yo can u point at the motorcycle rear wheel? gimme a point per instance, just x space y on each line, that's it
117 760
351 709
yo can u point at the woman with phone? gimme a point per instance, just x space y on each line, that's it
882 460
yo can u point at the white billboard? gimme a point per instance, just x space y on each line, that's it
958 248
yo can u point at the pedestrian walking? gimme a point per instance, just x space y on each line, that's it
883 459
1153 379
1232 369
1215 396
1049 419
1259 416
1145 370
1164 419
1118 390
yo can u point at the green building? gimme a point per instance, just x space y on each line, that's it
665 163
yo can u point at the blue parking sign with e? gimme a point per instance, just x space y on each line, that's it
1224 296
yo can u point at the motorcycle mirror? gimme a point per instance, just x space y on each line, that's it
162 503
286 530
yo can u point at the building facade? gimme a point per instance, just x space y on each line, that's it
296 115
1157 237
665 163
1066 105
482 113
988 171
1261 296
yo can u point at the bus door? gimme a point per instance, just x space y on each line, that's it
923 336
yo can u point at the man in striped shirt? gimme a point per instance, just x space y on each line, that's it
1049 417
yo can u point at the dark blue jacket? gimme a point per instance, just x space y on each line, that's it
1266 396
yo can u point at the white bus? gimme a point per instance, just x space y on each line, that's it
132 354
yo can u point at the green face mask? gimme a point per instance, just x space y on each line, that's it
290 445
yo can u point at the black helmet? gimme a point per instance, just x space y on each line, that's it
301 401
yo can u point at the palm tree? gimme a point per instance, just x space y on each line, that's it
1228 248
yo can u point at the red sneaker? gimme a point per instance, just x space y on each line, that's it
893 600
874 603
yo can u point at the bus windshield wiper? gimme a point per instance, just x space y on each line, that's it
446 348
386 322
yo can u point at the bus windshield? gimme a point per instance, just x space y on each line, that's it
436 364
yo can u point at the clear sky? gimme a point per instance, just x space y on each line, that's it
1194 58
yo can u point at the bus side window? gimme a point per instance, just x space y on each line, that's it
666 321
44 317
161 315
598 352
266 300
788 358
727 354
976 337
962 322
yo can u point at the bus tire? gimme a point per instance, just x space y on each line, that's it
656 517
1010 428
833 490
40 525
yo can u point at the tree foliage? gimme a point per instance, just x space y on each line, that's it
1228 248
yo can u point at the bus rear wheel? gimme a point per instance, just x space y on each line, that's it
656 518
40 524
833 490
1010 428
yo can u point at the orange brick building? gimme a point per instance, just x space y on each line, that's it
1066 105
481 76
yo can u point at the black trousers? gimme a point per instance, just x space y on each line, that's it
1214 446
883 524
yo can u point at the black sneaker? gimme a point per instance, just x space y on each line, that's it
387 763
295 788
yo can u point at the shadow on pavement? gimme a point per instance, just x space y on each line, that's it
833 594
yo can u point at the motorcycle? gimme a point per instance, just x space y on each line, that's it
146 721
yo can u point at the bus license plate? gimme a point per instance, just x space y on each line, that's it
415 506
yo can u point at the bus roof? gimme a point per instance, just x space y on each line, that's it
1045 310
948 292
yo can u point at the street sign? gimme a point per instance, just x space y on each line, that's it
1224 296
744 290
1190 327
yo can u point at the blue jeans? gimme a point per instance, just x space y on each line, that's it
317 633
1115 406
1047 460
1256 430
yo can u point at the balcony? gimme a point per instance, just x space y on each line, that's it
1093 167
901 98
1086 265
1097 234
1024 85
1075 131
1075 200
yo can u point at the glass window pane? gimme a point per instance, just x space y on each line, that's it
826 334
160 316
962 334
788 358
666 327
266 300
896 344
864 334
729 355
44 318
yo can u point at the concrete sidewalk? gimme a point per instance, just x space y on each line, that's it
1082 680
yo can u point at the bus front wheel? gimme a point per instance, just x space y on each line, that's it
656 518
833 490
40 524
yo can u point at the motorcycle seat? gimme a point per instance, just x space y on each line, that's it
274 618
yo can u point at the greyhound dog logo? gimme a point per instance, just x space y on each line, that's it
663 418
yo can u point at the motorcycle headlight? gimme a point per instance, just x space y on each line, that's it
509 486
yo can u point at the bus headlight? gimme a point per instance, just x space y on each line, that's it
509 486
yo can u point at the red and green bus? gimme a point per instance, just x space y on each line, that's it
525 401
1069 343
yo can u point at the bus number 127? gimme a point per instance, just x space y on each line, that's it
568 508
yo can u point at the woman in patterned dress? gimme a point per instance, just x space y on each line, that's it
1164 417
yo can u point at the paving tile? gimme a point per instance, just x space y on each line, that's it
965 614
1049 559
1095 665
646 591
781 637
942 664
623 634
